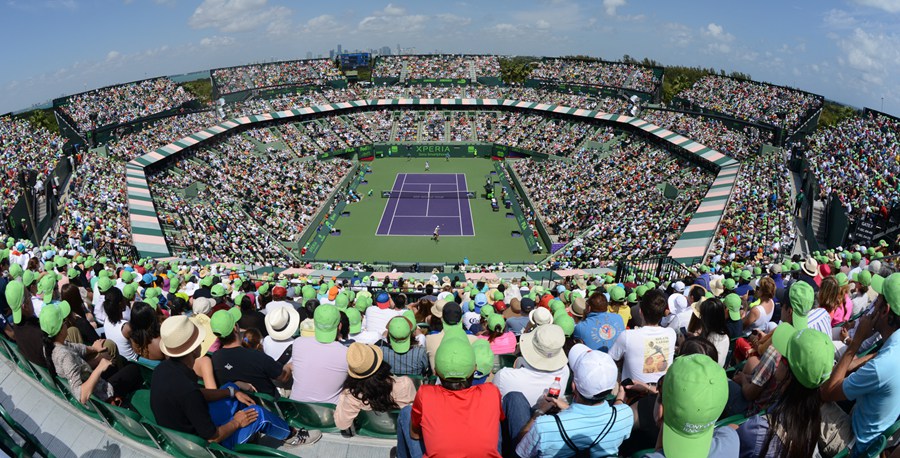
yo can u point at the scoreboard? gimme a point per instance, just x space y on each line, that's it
354 61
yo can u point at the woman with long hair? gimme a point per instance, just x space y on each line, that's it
495 332
79 318
792 425
370 386
144 335
116 328
832 298
761 311
713 316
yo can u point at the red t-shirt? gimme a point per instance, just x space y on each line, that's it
458 423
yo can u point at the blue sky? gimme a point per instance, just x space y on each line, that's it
846 50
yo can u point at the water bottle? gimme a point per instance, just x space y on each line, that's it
554 389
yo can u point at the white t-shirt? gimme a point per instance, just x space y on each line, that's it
648 352
721 342
275 348
529 381
377 319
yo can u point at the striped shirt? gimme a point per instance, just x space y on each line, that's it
413 362
583 423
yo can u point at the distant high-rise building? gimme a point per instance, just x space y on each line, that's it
399 50
339 49
309 54
386 50
331 54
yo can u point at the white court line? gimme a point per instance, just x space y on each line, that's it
395 206
459 204
468 206
428 201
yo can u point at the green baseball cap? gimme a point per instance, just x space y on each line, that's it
206 281
488 310
15 294
103 274
617 294
566 322
15 271
891 292
362 303
632 298
864 278
454 359
556 305
104 284
651 285
218 290
729 284
326 319
46 286
152 292
263 288
72 273
341 301
810 353
842 279
695 391
130 291
733 304
174 283
802 297
238 299
877 283
223 321
153 302
355 319
28 277
127 276
399 329
484 356
640 291
52 317
745 275
496 322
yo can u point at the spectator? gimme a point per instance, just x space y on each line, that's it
370 386
544 360
319 363
281 324
517 323
225 415
116 328
26 326
402 355
875 386
589 424
449 314
713 316
495 332
439 412
233 363
647 351
599 329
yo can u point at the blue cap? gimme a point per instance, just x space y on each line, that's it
147 278
382 297
480 300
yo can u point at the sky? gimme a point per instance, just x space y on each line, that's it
845 50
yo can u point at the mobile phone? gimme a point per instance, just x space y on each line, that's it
627 382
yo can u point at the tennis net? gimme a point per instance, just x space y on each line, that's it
458 195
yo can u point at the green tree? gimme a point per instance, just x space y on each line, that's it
43 118
202 89
515 70
835 113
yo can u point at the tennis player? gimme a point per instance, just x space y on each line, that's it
437 233
427 166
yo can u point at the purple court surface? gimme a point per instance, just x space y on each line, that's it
419 216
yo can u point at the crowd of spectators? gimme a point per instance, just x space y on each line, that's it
611 206
24 146
316 72
95 212
752 101
437 66
721 361
758 223
124 103
856 161
251 200
160 133
740 144
596 73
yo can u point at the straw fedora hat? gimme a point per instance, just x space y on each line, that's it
180 336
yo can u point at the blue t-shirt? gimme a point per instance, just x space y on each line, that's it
876 389
600 330
516 324
725 444
583 423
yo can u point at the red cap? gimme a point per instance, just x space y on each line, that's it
279 292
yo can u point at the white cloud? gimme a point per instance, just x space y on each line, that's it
612 5
393 19
874 55
719 40
542 24
452 19
392 10
838 19
677 34
891 6
323 24
113 55
230 16
216 41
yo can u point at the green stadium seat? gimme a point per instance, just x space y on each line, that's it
179 444
507 360
254 450
377 424
73 399
308 415
146 373
640 453
126 422
32 445
9 445
140 401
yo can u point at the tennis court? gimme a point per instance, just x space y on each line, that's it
418 202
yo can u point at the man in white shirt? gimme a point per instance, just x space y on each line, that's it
647 351
544 360
377 317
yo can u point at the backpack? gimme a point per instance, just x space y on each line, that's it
586 453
